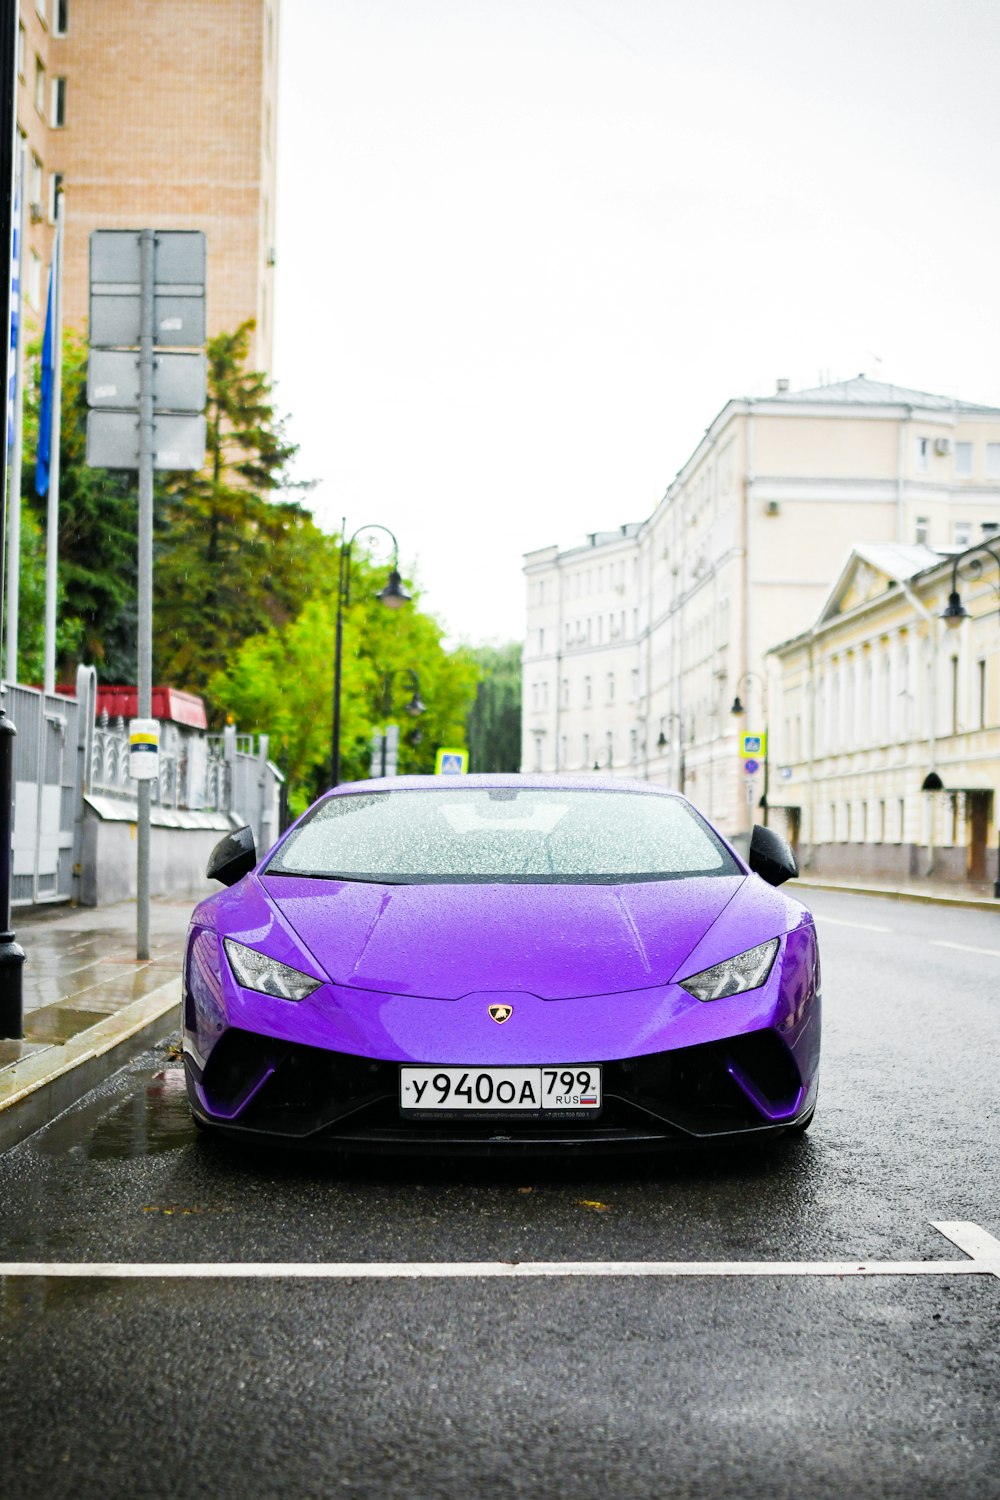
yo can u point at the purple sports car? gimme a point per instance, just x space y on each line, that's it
488 963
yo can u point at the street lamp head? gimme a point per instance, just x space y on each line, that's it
394 595
416 706
662 742
956 611
737 707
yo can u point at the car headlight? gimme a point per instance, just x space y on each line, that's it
255 971
746 971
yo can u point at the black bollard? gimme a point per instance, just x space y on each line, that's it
11 953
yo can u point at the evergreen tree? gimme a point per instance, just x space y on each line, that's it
233 555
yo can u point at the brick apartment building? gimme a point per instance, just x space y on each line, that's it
159 113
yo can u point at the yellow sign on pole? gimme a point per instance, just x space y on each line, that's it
451 763
753 746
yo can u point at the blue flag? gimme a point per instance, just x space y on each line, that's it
15 313
48 379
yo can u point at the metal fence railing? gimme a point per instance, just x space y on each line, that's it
62 753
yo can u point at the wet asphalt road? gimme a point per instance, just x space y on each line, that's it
613 1387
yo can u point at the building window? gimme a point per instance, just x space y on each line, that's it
39 85
611 687
961 533
21 47
923 453
902 820
563 752
58 102
541 638
34 280
55 188
993 460
565 692
611 749
586 750
586 690
62 17
40 8
35 186
981 692
634 745
538 752
922 527
635 683
963 459
954 695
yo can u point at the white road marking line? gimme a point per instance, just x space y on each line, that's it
970 1238
486 1269
965 947
838 922
976 1242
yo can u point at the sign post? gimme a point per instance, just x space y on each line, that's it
147 290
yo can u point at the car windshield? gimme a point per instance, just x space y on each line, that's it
536 835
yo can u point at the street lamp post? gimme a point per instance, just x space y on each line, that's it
393 595
664 744
738 709
414 708
956 611
953 616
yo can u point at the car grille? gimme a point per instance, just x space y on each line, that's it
739 1086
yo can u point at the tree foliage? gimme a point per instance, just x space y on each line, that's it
97 540
234 555
281 681
493 727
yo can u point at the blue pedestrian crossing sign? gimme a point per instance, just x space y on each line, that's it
753 746
451 763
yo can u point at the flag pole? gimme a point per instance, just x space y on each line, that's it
52 526
17 419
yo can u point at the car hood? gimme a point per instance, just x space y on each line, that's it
447 941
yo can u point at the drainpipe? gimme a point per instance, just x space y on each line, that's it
932 708
559 641
900 472
812 746
747 571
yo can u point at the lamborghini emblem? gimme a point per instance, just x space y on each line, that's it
501 1013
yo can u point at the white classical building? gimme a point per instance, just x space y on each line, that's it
886 735
639 640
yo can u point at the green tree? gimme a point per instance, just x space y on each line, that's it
97 540
281 682
493 727
234 555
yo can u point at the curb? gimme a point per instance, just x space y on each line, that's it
39 1087
969 903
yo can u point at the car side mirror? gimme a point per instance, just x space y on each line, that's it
233 857
771 856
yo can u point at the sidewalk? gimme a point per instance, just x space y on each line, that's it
975 894
89 1004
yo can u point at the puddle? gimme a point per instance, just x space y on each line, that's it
153 1118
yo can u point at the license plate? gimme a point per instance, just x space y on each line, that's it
493 1091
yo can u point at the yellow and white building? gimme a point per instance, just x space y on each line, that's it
886 742
638 641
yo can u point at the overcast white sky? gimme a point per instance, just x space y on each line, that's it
527 249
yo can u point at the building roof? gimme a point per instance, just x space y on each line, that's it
168 703
864 392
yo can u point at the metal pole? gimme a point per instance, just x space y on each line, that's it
11 953
16 447
147 245
338 651
52 514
